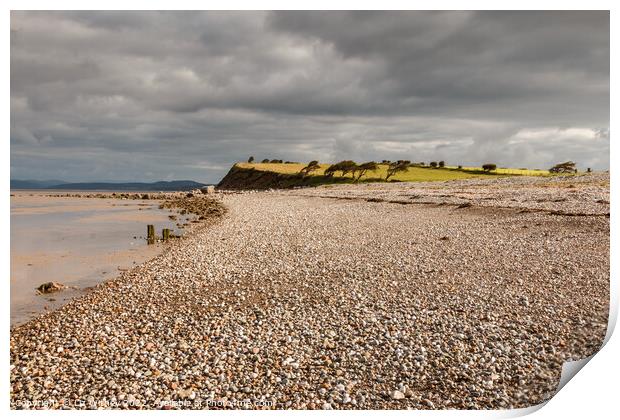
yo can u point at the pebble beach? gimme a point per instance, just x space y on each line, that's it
463 294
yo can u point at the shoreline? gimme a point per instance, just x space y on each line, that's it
315 322
92 263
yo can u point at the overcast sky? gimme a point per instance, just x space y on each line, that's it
147 96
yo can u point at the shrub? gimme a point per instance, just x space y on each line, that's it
265 161
460 166
488 167
433 164
442 163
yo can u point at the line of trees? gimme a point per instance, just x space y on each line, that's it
346 167
251 160
349 167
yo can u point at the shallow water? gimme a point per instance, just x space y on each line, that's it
78 242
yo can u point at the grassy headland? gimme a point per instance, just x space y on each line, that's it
244 175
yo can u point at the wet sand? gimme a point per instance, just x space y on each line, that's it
78 242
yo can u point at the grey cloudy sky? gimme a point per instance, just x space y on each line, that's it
181 95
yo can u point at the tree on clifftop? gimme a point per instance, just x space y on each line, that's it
329 172
365 167
311 167
347 166
564 168
344 167
396 167
251 159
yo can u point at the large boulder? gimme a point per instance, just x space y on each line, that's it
209 189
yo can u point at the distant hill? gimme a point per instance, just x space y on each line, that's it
183 185
29 184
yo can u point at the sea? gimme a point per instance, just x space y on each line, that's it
78 242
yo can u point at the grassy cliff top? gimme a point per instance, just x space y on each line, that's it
413 174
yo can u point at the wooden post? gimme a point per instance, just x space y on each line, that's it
150 234
165 234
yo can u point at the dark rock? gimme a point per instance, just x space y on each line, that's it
51 287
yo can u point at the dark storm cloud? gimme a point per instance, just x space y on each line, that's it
162 95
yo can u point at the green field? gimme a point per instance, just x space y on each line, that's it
507 171
413 174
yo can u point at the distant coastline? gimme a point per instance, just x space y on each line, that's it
182 185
